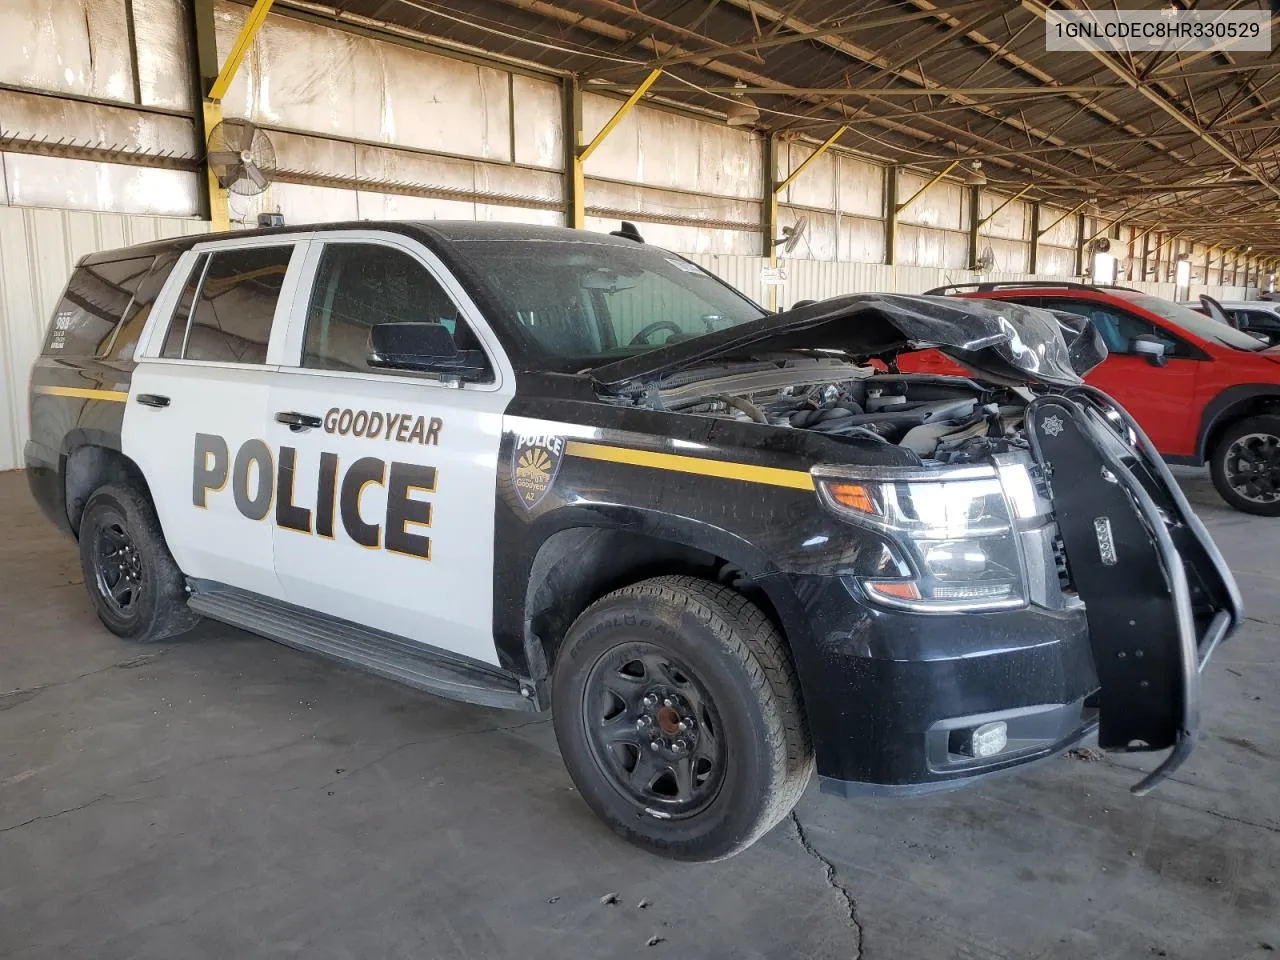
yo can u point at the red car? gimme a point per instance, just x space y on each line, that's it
1202 390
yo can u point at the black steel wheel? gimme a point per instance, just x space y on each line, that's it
654 730
117 568
1245 466
678 714
132 578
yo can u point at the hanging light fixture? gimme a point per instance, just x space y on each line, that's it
742 112
973 175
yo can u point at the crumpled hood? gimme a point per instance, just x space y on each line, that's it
1000 341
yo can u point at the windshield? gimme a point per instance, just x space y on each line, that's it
590 302
1204 327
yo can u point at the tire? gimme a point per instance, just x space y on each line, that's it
138 590
1225 465
711 660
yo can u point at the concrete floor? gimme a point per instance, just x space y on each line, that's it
224 796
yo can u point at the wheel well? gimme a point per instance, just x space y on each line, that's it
90 467
576 567
1251 407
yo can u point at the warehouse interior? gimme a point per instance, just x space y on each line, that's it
221 796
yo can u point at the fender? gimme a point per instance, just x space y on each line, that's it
1221 407
571 560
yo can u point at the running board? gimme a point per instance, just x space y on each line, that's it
373 651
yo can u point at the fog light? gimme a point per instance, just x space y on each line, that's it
989 739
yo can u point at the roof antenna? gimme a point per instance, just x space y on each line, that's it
628 232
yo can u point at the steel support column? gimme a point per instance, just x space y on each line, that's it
1080 241
775 192
769 203
1033 251
571 106
891 214
975 224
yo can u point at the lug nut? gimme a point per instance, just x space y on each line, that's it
678 746
682 726
649 700
642 723
668 702
654 744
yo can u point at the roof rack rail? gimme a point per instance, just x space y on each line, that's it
991 285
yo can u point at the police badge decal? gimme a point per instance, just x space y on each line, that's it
535 461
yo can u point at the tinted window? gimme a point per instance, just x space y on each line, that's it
93 306
1198 324
359 285
127 333
587 302
227 305
1117 327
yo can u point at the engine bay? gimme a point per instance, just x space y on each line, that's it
938 418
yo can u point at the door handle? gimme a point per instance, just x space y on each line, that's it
297 421
153 400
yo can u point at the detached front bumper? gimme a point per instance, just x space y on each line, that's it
896 694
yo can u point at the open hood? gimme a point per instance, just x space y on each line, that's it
1000 341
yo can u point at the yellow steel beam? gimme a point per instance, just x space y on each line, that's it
804 164
244 40
219 210
919 193
990 216
631 101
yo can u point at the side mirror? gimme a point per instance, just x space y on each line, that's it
1153 348
425 347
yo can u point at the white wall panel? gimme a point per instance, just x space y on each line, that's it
89 124
922 247
1064 233
944 205
111 187
67 46
1012 222
816 187
38 249
663 149
164 53
314 78
861 187
861 240
1055 261
539 124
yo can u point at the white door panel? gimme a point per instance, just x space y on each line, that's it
207 494
394 504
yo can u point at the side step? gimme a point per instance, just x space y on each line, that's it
384 654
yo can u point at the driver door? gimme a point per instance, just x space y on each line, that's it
1158 397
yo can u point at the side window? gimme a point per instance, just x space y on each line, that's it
1118 328
97 298
227 306
359 285
128 332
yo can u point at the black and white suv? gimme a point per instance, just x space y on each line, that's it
540 468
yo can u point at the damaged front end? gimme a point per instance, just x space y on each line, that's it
1019 489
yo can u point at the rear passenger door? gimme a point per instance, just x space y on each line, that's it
196 417
385 512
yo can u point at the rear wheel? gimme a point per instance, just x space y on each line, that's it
1245 466
678 715
130 575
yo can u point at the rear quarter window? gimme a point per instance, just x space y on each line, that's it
96 302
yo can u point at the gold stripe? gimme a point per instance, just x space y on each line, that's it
85 393
775 476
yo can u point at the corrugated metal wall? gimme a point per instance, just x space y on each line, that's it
37 251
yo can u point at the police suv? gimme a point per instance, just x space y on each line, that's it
539 468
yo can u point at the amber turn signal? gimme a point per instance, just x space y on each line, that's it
855 496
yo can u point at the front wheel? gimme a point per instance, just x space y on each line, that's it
678 715
1245 466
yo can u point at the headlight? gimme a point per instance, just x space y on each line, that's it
955 531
